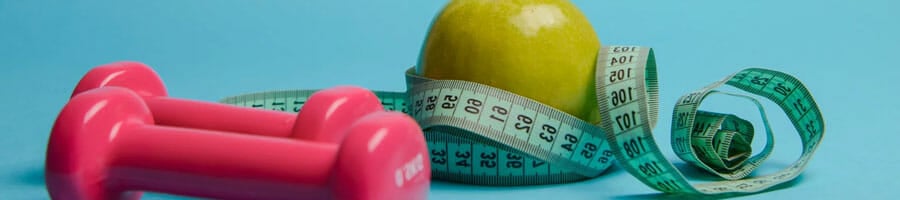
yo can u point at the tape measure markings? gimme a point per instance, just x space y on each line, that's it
520 134
627 123
482 135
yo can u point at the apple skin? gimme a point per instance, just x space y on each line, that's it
541 49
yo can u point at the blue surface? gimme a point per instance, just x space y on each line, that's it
843 50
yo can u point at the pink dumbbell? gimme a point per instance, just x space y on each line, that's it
104 145
346 101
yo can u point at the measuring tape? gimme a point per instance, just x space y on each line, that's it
478 134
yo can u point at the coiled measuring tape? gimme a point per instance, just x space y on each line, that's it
478 134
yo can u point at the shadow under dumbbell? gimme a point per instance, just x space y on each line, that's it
161 196
33 175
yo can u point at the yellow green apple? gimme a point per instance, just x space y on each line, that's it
541 49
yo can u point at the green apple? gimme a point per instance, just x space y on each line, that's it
541 49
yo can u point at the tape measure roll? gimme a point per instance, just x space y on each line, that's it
478 134
628 124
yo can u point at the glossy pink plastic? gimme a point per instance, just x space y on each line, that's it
104 145
345 101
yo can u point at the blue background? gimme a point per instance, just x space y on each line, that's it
844 51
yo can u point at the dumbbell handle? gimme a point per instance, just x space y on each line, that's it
216 116
219 164
144 81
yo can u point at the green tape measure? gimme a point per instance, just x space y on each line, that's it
478 134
